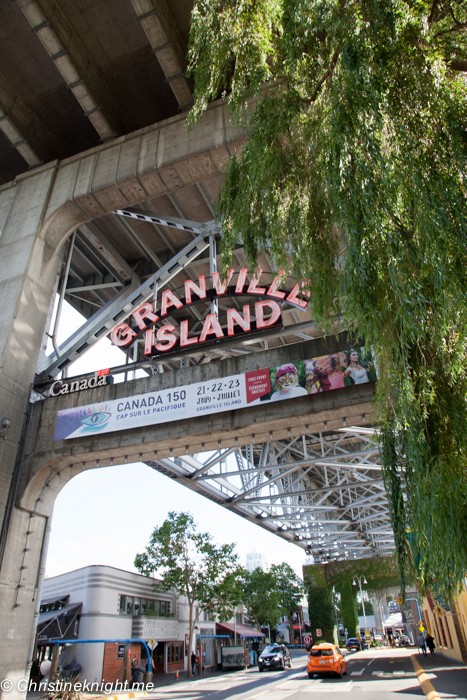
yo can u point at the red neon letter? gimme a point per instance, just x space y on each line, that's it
241 281
233 316
142 312
165 335
211 326
253 288
277 281
191 286
149 341
122 335
184 339
169 299
216 283
261 322
293 297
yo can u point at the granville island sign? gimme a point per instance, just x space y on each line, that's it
267 312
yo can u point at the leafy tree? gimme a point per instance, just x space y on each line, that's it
188 561
261 598
356 160
290 591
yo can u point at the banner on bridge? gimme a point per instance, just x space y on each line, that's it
285 382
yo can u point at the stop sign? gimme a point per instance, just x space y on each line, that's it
319 633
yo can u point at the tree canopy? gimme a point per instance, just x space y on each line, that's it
356 116
189 562
261 598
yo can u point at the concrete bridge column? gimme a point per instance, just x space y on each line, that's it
28 268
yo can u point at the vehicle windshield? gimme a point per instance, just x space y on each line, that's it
322 652
272 650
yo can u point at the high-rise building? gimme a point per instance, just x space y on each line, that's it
256 560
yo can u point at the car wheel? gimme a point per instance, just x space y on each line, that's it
339 673
260 670
310 675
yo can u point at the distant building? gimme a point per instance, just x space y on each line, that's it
256 560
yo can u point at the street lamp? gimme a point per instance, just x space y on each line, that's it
359 580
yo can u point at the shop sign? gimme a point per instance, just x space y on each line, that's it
291 380
268 312
121 651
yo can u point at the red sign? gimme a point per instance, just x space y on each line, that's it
258 384
307 638
319 633
103 372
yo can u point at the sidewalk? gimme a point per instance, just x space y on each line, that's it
441 677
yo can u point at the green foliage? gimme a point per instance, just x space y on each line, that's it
369 610
348 607
289 588
322 614
189 562
356 158
261 598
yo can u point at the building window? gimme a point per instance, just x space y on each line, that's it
130 605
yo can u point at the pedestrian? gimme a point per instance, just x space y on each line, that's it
193 662
134 663
430 642
422 643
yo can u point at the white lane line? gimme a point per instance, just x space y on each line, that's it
331 688
370 662
358 673
398 673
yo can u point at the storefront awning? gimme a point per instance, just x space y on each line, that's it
241 630
57 624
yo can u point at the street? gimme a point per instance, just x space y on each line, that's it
385 675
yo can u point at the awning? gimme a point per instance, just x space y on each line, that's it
242 630
56 624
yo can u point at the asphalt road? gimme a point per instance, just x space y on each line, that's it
380 675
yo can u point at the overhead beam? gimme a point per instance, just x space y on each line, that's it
167 45
76 66
117 310
107 251
22 127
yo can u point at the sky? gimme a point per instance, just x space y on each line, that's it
106 515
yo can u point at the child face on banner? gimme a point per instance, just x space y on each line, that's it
286 382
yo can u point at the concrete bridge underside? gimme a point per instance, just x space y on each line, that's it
279 451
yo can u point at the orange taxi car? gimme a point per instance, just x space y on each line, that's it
326 658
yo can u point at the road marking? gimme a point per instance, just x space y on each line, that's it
358 673
426 685
258 694
332 688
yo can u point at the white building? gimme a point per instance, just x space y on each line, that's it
256 560
101 602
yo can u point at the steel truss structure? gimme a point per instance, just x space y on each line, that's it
324 491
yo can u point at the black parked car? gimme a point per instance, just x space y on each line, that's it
274 656
354 643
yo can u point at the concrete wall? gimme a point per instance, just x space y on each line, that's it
37 214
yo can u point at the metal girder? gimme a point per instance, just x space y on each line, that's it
318 491
169 221
119 308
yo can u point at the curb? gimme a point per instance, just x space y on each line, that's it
425 683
